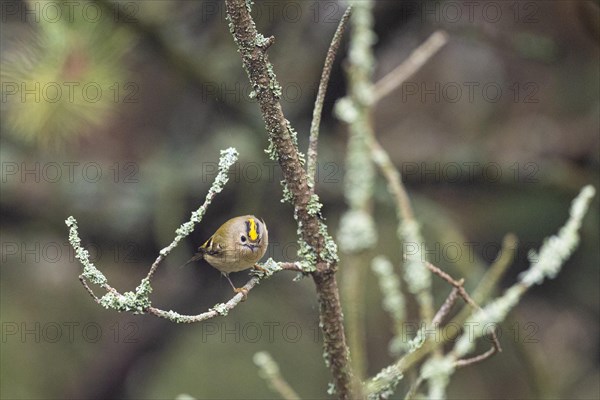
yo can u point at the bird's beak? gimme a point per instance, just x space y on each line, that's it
251 246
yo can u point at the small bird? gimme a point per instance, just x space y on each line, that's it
237 245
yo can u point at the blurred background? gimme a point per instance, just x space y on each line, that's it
115 111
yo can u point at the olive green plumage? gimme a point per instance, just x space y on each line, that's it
237 245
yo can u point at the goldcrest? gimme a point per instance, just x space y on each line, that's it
237 245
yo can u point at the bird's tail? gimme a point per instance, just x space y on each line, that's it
196 257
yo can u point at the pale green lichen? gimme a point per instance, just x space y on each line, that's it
136 302
220 309
357 231
417 276
329 253
360 169
418 341
178 318
261 40
90 272
307 256
268 367
306 253
270 267
314 205
294 135
331 389
249 4
287 195
228 157
389 284
437 370
345 110
172 315
274 85
271 149
393 300
558 248
383 385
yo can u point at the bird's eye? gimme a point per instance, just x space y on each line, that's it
243 239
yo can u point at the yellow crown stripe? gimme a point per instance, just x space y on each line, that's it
252 231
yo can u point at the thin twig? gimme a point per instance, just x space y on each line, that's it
474 360
311 162
224 309
394 180
409 230
89 290
445 308
492 276
412 64
219 309
457 284
463 293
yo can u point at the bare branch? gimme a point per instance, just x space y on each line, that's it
89 290
394 180
474 360
458 285
445 308
412 64
311 162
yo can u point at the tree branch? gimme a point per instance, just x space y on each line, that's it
218 309
320 251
